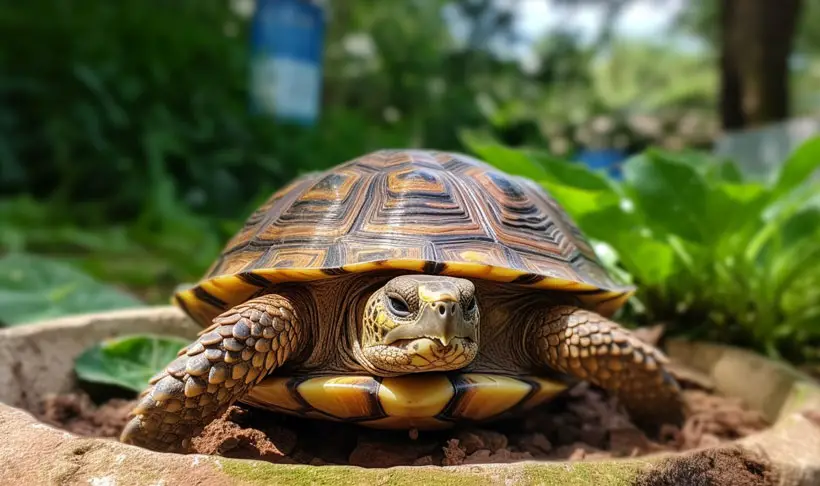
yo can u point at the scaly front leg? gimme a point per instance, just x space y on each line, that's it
242 346
589 347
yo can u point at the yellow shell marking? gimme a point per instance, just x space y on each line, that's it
231 289
274 391
547 391
341 396
415 396
489 395
427 401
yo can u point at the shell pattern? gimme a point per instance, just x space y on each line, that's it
412 210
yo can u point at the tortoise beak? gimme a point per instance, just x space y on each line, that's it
441 320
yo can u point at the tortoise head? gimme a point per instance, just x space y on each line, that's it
418 323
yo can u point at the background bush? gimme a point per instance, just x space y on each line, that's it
714 256
127 150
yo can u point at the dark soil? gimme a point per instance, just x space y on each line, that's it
713 467
582 424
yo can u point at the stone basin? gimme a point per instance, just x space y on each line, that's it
37 360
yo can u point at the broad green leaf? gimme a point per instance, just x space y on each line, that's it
610 260
511 161
35 288
727 171
803 162
743 193
128 361
574 174
712 168
672 195
606 222
579 202
651 261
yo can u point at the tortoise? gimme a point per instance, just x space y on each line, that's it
403 289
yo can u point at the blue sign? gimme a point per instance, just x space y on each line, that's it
286 59
607 159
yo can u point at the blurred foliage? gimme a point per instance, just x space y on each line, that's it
34 288
713 255
128 361
128 152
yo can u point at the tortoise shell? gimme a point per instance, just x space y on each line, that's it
411 210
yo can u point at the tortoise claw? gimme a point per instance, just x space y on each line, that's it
238 351
589 347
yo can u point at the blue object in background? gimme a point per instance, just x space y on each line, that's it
287 38
607 159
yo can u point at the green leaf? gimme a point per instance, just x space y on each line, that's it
804 161
650 260
610 260
37 288
712 168
602 219
578 202
511 161
672 195
128 361
573 174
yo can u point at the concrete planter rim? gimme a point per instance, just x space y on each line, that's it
791 445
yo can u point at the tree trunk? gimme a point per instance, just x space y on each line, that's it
757 38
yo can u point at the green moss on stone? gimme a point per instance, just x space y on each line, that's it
263 473
580 473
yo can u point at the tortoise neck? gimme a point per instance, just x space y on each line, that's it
336 307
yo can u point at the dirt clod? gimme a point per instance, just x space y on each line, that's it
453 453
226 437
76 413
583 424
712 467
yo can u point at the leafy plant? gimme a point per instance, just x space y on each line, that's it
35 288
128 361
713 255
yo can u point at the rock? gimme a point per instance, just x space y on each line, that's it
578 454
424 461
593 434
480 456
470 441
492 440
453 453
813 416
536 444
624 440
473 439
380 454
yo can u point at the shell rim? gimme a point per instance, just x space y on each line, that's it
225 288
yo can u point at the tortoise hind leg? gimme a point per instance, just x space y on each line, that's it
587 346
241 347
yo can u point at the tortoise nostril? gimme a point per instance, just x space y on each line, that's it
442 309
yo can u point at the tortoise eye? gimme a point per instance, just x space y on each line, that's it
471 306
398 306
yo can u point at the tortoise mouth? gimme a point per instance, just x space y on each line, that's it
440 347
422 354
